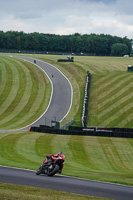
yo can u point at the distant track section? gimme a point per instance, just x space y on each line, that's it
61 97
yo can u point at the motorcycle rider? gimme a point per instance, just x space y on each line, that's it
59 154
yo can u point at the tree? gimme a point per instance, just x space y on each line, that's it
119 49
93 44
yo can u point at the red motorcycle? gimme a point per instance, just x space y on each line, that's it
52 164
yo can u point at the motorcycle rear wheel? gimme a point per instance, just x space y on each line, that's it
54 171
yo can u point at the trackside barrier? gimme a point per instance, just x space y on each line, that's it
69 59
90 131
86 100
102 129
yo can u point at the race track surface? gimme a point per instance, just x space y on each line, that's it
66 184
61 94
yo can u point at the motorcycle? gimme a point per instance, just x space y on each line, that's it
52 164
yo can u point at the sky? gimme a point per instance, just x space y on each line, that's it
64 17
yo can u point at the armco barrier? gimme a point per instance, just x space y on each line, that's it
86 100
90 131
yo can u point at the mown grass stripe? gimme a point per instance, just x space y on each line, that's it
21 109
113 88
102 64
14 82
34 106
43 145
118 112
109 152
59 143
103 79
25 146
119 108
116 157
8 151
39 105
90 68
106 108
99 158
79 154
120 93
6 86
125 152
11 108
21 99
115 103
121 116
3 77
128 121
0 72
34 98
109 86
96 154
64 144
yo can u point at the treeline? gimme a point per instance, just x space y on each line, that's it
92 44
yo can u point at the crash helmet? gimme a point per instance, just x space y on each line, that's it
59 153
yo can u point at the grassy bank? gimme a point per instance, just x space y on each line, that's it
24 93
25 90
97 158
9 191
111 94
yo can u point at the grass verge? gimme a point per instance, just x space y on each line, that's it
24 93
14 192
96 158
111 89
110 97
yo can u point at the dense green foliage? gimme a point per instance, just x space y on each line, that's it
92 44
119 49
97 158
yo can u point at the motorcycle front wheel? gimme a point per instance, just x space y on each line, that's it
39 171
53 171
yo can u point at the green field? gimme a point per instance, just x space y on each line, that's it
11 192
25 90
97 158
24 96
24 93
111 96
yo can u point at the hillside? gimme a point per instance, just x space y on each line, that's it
25 86
111 93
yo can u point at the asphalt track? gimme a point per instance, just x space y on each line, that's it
61 97
66 184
